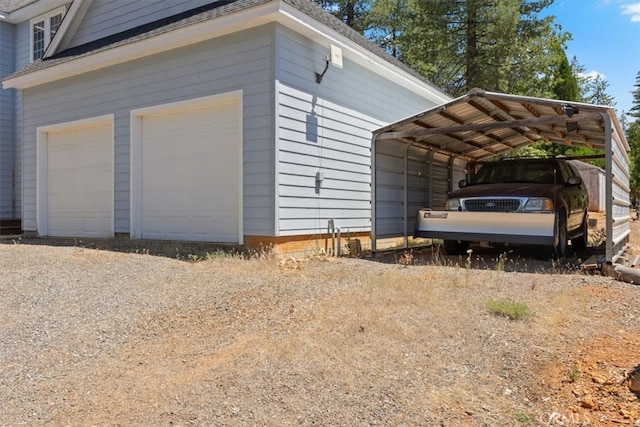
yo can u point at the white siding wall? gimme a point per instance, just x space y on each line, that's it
327 127
107 17
241 61
7 100
22 58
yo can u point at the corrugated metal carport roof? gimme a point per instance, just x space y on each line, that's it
482 124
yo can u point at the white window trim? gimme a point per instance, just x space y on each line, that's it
46 18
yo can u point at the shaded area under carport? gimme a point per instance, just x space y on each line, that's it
416 161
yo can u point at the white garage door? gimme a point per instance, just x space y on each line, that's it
191 169
79 189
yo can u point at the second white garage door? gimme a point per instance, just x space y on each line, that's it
191 168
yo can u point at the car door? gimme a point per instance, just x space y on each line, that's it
577 196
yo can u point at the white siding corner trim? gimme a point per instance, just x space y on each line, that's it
74 179
187 170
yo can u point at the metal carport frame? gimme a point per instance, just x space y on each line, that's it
416 161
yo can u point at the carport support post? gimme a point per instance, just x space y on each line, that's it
405 199
373 193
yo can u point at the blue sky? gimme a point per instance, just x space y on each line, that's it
606 40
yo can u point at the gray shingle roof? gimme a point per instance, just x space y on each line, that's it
202 14
9 6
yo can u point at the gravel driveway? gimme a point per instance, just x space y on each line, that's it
95 337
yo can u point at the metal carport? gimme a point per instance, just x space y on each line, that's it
416 161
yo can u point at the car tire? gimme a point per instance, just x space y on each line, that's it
581 241
560 236
456 247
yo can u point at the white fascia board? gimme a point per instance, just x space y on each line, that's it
180 37
299 22
33 10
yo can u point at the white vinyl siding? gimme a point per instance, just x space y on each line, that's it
242 61
327 127
292 126
7 102
107 17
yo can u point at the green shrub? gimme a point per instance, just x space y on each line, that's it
509 308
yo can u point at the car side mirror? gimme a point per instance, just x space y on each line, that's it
574 181
462 183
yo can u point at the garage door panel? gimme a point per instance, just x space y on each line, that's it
182 228
190 176
80 182
186 200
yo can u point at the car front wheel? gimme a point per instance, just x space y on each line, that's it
560 236
455 247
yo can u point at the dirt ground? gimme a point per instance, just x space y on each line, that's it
102 337
591 377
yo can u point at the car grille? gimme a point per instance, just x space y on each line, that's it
492 205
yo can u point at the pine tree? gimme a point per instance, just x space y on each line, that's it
351 12
498 45
634 111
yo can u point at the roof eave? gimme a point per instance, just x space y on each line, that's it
150 46
299 22
32 10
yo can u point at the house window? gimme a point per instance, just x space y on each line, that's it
43 28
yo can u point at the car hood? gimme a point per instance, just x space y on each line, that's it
507 190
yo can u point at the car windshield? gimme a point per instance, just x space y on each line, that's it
539 172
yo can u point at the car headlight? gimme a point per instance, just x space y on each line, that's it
539 204
452 205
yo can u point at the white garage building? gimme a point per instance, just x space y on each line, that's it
236 122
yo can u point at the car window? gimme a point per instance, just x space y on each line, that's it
493 173
567 170
540 172
573 171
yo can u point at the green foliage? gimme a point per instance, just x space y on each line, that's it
573 374
523 418
579 151
509 308
499 45
564 84
633 138
529 151
351 12
387 20
635 109
597 92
